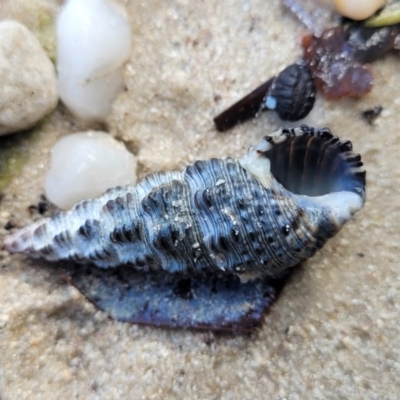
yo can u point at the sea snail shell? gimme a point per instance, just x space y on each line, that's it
260 215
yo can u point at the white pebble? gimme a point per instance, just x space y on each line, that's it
94 43
358 9
84 165
28 79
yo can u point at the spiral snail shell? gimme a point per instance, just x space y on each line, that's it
258 215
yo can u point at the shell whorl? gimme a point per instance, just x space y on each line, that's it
261 215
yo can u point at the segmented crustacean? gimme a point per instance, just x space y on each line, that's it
262 214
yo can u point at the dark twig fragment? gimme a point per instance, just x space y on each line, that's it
246 108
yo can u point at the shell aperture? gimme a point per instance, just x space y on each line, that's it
261 215
312 164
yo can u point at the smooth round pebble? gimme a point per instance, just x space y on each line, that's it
84 165
28 79
94 43
358 9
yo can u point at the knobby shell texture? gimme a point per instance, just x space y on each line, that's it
226 215
186 234
334 330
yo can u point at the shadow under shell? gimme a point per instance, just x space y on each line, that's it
214 302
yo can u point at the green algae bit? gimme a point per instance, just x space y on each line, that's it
44 25
15 149
390 15
14 153
47 34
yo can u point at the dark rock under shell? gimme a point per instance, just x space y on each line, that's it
213 302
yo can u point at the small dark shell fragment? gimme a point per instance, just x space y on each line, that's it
370 44
292 93
371 114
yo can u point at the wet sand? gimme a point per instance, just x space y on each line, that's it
333 333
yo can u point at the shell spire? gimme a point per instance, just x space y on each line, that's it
261 215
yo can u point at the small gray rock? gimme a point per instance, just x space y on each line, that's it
28 79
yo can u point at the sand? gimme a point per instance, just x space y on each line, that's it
334 331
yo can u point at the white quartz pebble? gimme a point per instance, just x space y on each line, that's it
28 79
94 43
84 165
358 9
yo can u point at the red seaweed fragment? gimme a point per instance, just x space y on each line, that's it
213 302
331 60
336 59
